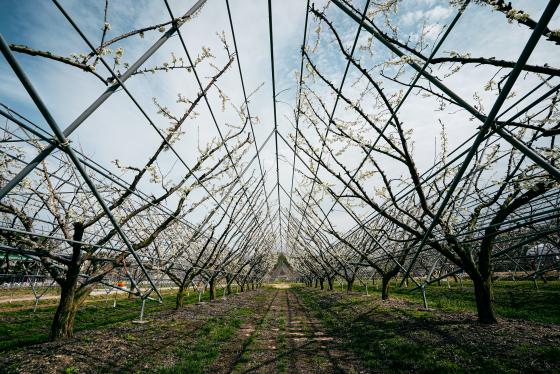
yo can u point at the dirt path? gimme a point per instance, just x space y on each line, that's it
289 340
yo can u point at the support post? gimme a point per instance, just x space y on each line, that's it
142 310
97 103
424 300
141 321
64 144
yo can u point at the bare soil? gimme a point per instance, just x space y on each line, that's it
288 339
278 336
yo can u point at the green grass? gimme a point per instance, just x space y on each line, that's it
282 344
195 357
401 339
518 300
22 328
43 302
550 354
6 292
377 343
71 370
244 357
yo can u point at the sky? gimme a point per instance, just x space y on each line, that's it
117 130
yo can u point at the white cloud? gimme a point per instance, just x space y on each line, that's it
117 130
438 13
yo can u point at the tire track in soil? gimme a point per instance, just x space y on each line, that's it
308 349
232 353
259 350
312 349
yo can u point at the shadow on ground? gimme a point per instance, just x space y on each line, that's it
397 336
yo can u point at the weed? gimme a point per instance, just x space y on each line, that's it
71 370
195 356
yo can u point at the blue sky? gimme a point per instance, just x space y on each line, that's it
118 131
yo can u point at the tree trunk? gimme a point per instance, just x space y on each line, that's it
322 283
63 322
385 280
330 282
211 289
349 285
484 294
316 282
180 297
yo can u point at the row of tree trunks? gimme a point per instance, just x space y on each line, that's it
483 290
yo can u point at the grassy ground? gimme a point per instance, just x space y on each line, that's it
398 336
209 341
24 327
206 337
282 344
297 330
7 292
519 300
